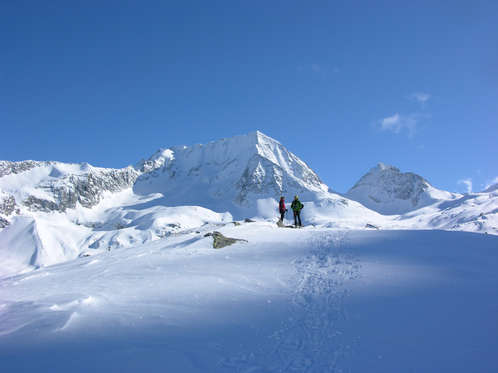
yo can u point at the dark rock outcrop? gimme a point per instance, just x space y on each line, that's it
220 240
8 205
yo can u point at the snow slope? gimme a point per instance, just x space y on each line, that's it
474 212
54 212
120 220
387 190
288 300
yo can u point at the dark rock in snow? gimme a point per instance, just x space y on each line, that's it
280 224
3 222
220 240
371 226
8 205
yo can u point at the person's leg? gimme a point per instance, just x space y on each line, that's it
295 218
282 215
299 218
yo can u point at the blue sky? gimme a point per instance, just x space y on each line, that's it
343 84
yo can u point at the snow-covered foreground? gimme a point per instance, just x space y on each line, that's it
288 300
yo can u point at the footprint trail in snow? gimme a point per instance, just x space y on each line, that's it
310 340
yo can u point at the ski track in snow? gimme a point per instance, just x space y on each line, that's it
310 340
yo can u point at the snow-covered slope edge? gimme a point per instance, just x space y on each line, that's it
474 212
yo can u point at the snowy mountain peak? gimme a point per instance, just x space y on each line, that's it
228 174
387 190
243 145
382 167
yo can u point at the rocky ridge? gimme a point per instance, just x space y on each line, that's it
57 190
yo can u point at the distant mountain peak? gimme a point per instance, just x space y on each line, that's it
387 190
383 167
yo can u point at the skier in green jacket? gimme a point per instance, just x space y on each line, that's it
297 206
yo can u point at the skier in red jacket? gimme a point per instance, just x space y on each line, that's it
282 209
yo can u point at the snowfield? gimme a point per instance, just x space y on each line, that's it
288 300
112 270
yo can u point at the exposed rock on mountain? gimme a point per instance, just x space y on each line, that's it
55 186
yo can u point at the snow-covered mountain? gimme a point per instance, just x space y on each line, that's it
57 186
413 203
229 175
245 175
389 191
51 212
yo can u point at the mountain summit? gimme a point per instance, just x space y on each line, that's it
389 191
228 174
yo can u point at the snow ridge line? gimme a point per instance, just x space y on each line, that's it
310 341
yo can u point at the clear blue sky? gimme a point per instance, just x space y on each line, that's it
343 84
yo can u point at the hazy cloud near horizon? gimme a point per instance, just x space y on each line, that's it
468 184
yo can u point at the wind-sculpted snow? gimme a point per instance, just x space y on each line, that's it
289 300
45 239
